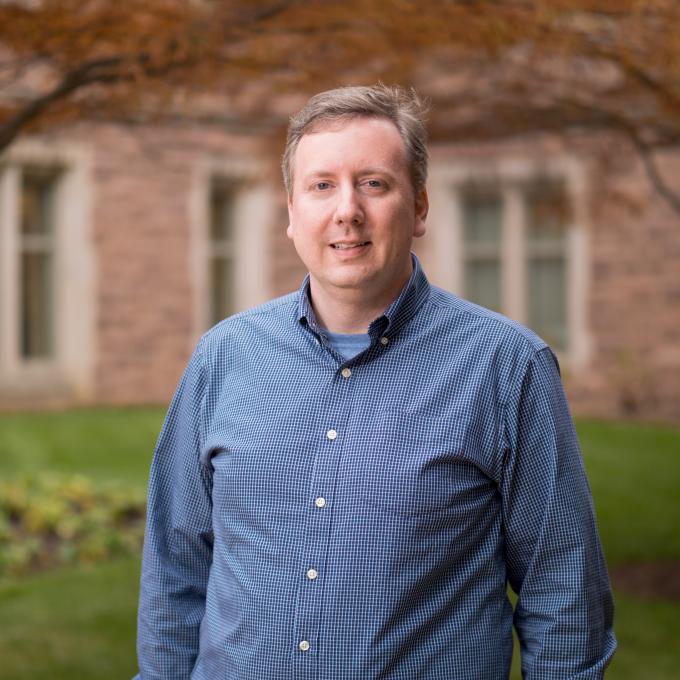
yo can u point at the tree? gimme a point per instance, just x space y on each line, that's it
493 68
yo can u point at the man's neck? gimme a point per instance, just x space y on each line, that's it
349 311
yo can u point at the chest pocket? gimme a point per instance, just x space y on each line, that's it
413 465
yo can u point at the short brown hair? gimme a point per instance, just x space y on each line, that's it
403 107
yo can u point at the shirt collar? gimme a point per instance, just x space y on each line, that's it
399 312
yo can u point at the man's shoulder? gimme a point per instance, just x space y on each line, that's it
273 316
465 317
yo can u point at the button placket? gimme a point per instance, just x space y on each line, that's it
308 617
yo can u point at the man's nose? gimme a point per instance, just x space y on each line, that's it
348 210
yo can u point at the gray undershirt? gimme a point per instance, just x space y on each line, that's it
348 345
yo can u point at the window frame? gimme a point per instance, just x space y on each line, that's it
253 213
66 375
512 179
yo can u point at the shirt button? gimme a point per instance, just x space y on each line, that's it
312 574
346 373
320 502
331 434
384 340
304 645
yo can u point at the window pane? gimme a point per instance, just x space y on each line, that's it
36 204
483 283
482 214
221 213
482 219
221 250
36 305
547 215
221 287
36 248
548 300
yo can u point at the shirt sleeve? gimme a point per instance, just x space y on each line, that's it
178 540
564 610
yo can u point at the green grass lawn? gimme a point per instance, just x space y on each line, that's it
75 623
103 444
647 633
79 622
634 472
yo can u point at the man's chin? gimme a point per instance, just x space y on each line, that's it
342 285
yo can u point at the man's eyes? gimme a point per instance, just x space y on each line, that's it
369 183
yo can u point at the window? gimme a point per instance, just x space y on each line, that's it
36 263
482 228
515 242
222 251
546 263
46 282
231 214
541 247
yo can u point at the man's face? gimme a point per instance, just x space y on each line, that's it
352 209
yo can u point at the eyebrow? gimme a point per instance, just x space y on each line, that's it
374 170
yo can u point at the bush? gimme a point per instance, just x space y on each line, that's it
51 520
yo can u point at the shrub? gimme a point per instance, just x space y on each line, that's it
49 520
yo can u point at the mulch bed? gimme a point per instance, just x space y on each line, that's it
650 580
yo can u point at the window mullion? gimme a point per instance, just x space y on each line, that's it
456 264
546 250
513 260
10 187
224 250
36 243
577 290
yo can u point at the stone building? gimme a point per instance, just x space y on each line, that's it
119 246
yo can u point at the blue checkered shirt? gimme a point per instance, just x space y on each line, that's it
316 518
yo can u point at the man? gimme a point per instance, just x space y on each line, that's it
349 476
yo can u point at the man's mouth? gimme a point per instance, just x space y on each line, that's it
348 246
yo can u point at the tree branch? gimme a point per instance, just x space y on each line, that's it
671 197
87 74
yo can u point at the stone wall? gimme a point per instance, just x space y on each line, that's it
634 297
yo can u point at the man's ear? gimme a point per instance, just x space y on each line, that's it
422 206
